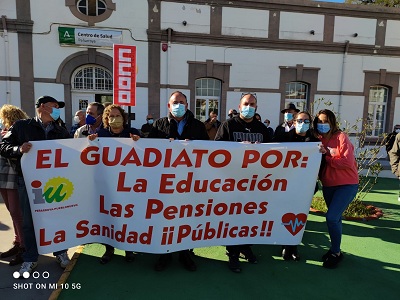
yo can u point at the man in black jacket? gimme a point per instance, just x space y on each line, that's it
243 128
288 112
180 124
17 142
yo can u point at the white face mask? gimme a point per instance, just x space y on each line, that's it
397 130
76 120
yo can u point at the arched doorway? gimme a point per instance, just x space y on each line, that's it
90 83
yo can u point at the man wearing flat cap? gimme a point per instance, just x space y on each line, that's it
13 146
288 115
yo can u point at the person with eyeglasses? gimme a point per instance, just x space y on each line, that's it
14 145
244 128
339 178
302 132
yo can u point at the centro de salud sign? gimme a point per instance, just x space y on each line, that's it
69 36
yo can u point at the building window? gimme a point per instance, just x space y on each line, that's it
208 96
378 96
297 93
91 7
92 78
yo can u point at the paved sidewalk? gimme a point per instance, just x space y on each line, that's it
11 288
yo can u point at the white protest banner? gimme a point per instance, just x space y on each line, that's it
157 196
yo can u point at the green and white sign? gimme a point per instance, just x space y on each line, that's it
89 37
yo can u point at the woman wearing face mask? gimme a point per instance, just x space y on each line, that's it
302 133
339 178
288 115
9 114
115 125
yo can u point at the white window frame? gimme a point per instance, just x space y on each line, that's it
372 129
298 97
205 95
95 82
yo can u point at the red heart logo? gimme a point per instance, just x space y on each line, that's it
294 223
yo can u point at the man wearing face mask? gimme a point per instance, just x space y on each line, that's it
180 124
93 120
243 128
79 121
288 113
145 130
17 142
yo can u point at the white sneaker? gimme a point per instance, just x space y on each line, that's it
63 259
26 269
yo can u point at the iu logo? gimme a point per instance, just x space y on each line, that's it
57 189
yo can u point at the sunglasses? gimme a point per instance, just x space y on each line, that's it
253 94
300 121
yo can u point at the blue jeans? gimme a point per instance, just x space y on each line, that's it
31 253
337 199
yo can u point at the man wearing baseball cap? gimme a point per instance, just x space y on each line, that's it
13 146
47 99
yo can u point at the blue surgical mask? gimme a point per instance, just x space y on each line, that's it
55 113
248 112
90 120
323 127
302 127
178 110
1 124
150 121
288 117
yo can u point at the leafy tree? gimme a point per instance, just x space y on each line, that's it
387 3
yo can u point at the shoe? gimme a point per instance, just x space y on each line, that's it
186 260
129 256
63 259
162 262
26 269
11 252
332 260
18 258
234 264
107 256
290 253
325 256
248 254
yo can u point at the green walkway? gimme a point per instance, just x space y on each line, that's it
370 269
